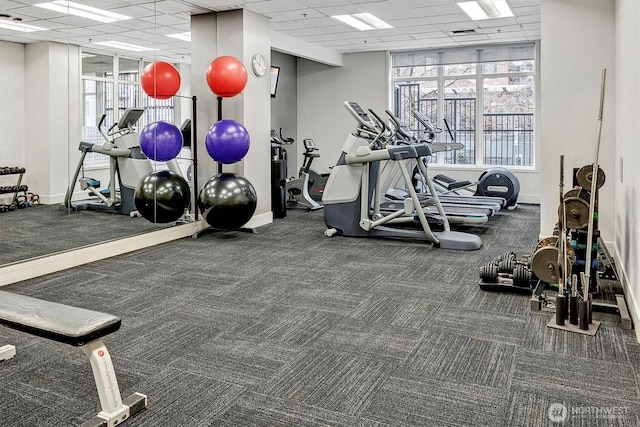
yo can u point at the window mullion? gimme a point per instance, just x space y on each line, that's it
479 125
440 157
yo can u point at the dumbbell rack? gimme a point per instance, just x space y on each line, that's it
14 189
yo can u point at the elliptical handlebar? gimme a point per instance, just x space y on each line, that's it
287 141
278 139
100 123
401 131
386 132
446 124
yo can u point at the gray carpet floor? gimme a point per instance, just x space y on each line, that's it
286 327
42 230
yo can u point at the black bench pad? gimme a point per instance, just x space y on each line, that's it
59 322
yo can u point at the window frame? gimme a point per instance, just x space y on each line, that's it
165 109
439 61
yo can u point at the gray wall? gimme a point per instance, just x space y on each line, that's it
577 43
322 89
626 177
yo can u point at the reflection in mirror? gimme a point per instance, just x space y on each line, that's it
55 94
105 98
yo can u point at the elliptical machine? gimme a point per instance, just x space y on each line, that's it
354 187
126 160
298 188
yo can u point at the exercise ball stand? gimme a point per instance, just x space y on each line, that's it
206 227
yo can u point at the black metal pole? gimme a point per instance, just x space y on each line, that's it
219 118
194 154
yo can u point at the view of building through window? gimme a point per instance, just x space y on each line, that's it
488 103
102 94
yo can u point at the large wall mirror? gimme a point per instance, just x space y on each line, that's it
60 95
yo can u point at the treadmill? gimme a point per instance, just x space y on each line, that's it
457 212
449 195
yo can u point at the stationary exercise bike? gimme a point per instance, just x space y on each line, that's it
317 181
126 160
298 188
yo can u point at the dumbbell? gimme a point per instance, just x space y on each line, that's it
507 265
520 275
21 202
505 256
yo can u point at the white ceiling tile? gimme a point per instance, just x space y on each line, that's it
322 3
417 23
527 10
278 5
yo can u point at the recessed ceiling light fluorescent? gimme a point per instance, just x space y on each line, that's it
125 46
181 36
71 8
16 26
363 21
485 9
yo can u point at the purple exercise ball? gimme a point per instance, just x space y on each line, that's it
161 141
227 141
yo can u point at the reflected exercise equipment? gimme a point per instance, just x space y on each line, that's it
127 166
126 161
162 197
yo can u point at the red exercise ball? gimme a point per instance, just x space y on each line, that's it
226 76
160 80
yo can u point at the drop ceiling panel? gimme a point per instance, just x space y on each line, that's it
417 23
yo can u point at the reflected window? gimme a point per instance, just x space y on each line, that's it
104 95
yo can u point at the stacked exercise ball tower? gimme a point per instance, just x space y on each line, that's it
227 201
161 196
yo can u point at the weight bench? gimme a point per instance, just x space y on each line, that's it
77 327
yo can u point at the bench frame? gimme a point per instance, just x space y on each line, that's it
81 328
114 410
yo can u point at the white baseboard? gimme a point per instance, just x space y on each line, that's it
529 199
260 220
632 304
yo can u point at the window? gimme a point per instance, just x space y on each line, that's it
103 94
486 95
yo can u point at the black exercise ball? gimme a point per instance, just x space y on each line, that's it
162 196
227 201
